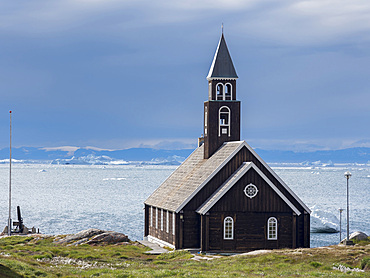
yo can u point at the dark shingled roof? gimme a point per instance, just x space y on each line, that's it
222 65
190 177
195 172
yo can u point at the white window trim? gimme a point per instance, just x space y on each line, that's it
167 222
210 90
232 227
275 222
161 219
156 218
151 216
173 222
223 91
231 91
219 120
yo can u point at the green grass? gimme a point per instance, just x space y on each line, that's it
33 257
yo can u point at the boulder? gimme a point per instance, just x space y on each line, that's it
108 238
81 235
358 236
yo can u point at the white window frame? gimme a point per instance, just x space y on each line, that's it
231 91
222 93
151 216
156 218
167 222
223 125
173 222
272 228
228 220
161 219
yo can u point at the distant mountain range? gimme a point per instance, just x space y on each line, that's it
75 155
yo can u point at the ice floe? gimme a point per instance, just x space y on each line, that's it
323 221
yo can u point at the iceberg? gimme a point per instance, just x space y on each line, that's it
323 221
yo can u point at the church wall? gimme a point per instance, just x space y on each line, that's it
250 231
250 217
252 158
155 229
266 199
192 221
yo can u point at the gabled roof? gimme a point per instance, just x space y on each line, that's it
191 176
222 65
234 178
195 172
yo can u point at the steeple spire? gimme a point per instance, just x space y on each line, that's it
222 110
222 65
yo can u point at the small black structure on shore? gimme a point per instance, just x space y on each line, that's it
224 197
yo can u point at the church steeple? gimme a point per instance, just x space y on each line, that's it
222 110
222 65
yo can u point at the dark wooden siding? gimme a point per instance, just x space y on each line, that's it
266 199
188 230
250 231
250 217
251 158
191 218
146 220
164 234
212 141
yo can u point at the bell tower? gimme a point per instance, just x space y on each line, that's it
222 110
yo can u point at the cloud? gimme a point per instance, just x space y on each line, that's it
80 72
312 22
292 21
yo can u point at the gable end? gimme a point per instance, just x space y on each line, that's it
243 169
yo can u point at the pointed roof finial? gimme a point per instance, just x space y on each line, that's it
222 28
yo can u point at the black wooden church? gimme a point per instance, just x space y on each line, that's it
224 197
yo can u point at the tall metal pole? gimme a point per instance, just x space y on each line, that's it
348 175
340 224
347 210
10 179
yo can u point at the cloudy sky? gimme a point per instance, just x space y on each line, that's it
119 74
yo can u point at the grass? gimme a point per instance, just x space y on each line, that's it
41 257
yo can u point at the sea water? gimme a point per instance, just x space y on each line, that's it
62 199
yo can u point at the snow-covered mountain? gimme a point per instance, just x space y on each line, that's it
91 155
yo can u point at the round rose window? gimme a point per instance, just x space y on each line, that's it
250 190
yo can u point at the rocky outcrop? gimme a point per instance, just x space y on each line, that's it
108 238
358 236
93 236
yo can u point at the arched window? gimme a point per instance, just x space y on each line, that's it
219 91
228 91
224 115
272 228
228 228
